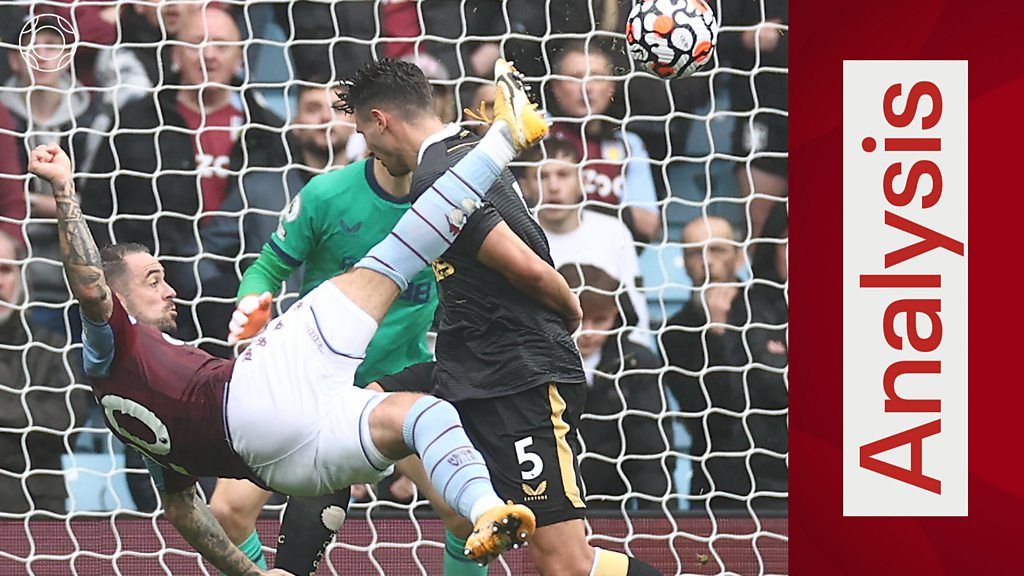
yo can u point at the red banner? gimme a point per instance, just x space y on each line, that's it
823 540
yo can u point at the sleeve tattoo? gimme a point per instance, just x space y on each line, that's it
197 524
82 263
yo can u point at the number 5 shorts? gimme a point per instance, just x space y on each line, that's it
292 412
530 441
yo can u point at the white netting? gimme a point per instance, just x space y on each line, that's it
716 151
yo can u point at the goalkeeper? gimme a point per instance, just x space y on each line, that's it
329 226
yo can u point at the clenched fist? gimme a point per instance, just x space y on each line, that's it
51 163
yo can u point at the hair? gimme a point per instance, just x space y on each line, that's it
316 83
705 221
597 287
554 147
114 267
386 83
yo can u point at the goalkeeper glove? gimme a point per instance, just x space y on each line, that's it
250 316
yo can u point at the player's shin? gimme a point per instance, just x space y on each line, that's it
436 218
253 550
455 468
308 527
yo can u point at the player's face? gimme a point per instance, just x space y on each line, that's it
574 95
709 253
376 127
598 320
216 61
148 296
324 127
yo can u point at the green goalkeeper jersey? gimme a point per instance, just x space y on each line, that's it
333 222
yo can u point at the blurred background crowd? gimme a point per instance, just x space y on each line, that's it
665 205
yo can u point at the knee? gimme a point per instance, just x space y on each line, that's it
236 517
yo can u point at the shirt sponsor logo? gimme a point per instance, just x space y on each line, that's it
349 229
442 269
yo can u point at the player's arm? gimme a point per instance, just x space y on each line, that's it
197 524
82 264
194 520
281 255
504 251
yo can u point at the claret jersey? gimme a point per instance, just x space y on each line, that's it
164 398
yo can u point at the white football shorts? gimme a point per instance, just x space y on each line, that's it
292 411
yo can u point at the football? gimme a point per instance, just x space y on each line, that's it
671 38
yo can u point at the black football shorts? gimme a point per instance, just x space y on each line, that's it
531 445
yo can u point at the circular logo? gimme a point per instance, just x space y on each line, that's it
48 42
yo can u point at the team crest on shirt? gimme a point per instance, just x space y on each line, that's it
289 215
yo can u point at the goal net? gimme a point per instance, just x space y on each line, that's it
693 170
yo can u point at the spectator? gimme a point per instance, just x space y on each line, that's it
94 23
128 73
324 135
696 341
12 194
146 24
621 377
585 236
174 158
46 105
325 140
617 172
343 34
35 390
763 346
533 23
751 49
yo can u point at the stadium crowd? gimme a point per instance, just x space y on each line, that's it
663 203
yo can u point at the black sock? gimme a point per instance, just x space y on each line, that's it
608 563
304 534
641 568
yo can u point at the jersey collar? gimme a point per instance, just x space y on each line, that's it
371 179
447 131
